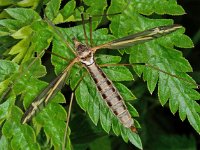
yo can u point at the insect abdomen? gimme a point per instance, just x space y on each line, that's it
112 97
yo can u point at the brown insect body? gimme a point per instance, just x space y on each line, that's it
105 86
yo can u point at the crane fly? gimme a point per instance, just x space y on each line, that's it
109 93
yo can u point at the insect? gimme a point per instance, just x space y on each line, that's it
83 55
109 93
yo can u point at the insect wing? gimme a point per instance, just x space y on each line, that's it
44 97
140 37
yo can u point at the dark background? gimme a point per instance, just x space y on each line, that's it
191 21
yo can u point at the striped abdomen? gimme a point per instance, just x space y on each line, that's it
112 97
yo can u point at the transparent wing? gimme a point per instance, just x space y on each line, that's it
47 94
140 37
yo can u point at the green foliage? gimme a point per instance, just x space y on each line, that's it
23 33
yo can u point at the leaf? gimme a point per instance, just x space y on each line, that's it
5 108
4 143
42 37
119 73
53 123
22 136
52 9
23 14
28 76
132 110
21 29
28 3
11 24
105 116
82 96
20 49
68 9
125 92
22 33
7 68
6 3
159 7
107 59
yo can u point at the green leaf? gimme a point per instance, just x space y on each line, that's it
20 49
125 92
52 9
107 59
135 139
152 77
132 110
164 64
76 75
53 123
6 3
82 96
67 10
5 108
23 14
22 136
28 74
4 143
105 119
41 36
159 7
27 29
96 8
28 3
183 42
7 68
118 73
11 24
22 33
149 7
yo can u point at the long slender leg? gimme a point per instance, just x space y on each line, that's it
84 29
90 20
67 123
155 68
59 33
68 114
90 24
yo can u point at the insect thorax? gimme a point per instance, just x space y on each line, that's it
84 53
